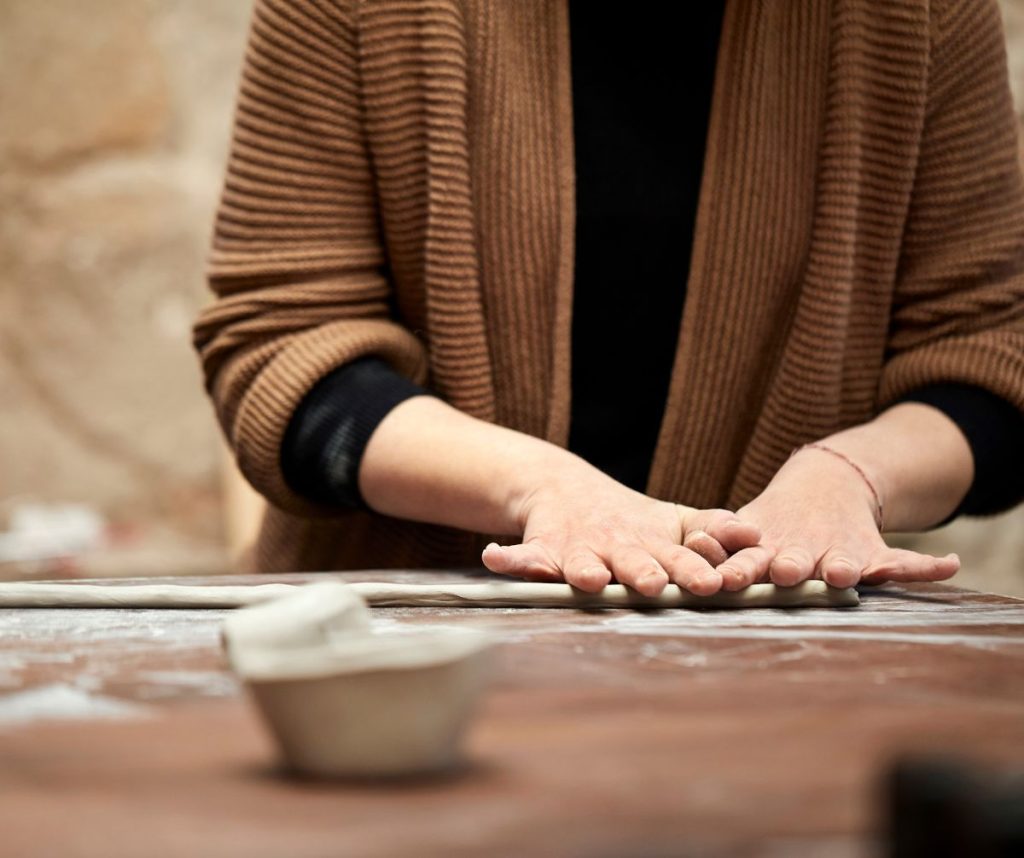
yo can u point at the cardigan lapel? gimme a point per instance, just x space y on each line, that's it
668 476
473 160
754 222
561 367
817 106
520 136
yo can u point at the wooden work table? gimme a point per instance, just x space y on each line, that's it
761 732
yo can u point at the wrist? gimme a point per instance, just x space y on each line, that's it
839 474
543 472
916 458
427 461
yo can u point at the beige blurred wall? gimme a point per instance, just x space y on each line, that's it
115 116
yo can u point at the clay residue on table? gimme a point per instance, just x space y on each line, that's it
608 733
165 655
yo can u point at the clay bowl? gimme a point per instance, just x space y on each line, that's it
344 701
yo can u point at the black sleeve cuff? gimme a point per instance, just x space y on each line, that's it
328 433
995 432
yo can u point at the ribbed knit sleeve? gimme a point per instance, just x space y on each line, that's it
958 313
297 263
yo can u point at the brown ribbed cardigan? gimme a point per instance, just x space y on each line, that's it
401 183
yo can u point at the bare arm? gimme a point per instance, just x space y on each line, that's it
427 461
916 457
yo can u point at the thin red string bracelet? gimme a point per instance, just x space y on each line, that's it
879 519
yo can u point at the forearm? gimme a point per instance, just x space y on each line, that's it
429 462
917 459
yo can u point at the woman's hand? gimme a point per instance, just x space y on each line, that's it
818 517
427 461
588 529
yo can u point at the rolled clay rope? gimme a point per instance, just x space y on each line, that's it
498 594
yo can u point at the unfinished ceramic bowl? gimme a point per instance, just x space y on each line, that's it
342 700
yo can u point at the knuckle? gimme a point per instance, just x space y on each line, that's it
637 568
681 558
746 569
631 554
792 557
540 538
718 517
582 561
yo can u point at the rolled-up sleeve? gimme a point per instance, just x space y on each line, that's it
297 264
958 313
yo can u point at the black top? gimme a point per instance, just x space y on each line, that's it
640 125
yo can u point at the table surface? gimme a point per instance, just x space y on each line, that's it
613 733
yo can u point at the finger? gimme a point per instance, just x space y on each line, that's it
731 532
530 560
791 566
747 566
899 564
636 568
586 571
688 569
837 568
710 550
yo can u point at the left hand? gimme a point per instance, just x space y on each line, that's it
818 520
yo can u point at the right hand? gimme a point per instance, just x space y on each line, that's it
591 530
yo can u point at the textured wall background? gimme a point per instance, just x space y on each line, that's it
114 131
115 122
